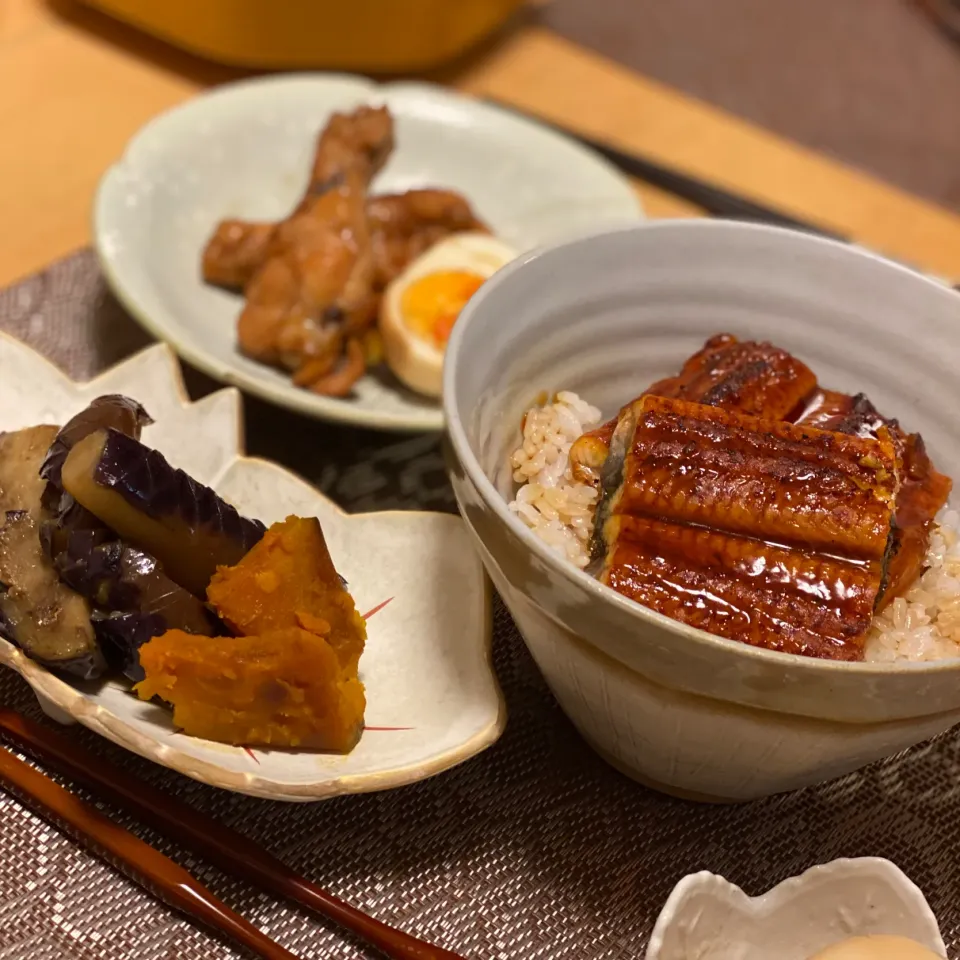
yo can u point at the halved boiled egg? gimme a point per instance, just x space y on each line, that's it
420 307
877 948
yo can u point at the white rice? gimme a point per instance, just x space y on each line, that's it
556 507
923 624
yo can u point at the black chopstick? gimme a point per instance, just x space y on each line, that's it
714 200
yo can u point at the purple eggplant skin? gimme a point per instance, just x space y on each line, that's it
121 635
71 523
212 532
145 479
112 411
90 666
91 565
116 577
127 585
136 600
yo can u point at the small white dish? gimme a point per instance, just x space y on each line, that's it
244 149
432 697
708 918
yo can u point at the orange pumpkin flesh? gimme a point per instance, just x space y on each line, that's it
283 689
290 678
288 580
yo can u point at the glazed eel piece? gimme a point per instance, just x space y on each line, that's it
758 530
747 377
761 379
923 489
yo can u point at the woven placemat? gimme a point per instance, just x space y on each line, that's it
535 849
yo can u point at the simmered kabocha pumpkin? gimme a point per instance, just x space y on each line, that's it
290 678
286 688
288 580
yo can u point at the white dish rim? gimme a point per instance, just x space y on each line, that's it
62 701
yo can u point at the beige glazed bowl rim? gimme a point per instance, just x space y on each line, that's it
570 251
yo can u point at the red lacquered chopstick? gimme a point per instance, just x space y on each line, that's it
229 850
149 867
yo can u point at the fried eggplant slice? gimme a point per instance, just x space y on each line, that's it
136 600
44 617
111 411
747 377
774 597
21 454
158 508
41 615
769 480
121 635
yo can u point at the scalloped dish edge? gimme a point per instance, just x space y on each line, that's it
783 894
66 704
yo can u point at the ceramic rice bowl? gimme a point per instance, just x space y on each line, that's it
686 712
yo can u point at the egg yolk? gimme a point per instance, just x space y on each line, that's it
430 305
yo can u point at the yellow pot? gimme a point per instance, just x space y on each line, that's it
371 36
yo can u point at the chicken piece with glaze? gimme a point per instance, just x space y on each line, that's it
402 226
312 296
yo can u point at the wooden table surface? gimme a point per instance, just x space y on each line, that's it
74 86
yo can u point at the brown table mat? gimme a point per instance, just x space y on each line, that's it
874 84
535 849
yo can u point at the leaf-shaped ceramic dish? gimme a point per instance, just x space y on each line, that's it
432 697
708 918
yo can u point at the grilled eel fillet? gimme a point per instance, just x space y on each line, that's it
763 380
923 489
754 529
754 378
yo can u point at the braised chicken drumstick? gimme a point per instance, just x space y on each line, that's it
313 282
